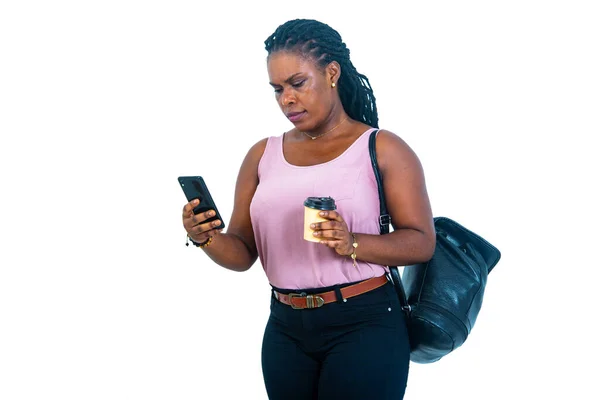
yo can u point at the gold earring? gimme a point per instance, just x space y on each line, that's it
332 84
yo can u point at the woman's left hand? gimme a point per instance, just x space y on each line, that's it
334 233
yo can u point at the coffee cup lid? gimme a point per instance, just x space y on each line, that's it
320 203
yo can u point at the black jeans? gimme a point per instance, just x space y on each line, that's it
356 349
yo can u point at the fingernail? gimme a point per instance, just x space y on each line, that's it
195 201
315 233
322 213
212 213
312 226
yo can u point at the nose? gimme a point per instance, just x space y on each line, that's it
287 98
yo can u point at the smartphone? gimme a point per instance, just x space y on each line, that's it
194 187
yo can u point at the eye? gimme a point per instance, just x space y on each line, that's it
298 84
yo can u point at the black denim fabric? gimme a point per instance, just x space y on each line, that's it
353 349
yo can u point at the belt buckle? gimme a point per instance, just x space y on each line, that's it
312 301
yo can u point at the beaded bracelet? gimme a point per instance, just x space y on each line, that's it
201 245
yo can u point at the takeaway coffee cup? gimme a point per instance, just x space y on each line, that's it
312 207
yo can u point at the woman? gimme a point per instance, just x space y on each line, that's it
336 329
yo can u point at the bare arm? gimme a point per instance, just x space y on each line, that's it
236 249
413 238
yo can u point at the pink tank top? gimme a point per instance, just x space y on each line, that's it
277 214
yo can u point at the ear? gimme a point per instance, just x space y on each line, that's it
333 72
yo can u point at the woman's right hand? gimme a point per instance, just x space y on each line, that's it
196 227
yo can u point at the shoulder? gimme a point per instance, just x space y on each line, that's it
394 152
258 149
253 157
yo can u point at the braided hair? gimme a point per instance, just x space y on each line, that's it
324 44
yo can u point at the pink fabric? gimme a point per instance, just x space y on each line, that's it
277 213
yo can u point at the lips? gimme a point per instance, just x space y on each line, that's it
295 116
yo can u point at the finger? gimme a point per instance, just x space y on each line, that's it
204 228
188 209
332 243
335 234
333 215
214 232
196 219
327 225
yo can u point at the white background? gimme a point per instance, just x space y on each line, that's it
104 104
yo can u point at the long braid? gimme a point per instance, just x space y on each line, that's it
324 44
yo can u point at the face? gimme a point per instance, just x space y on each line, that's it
302 89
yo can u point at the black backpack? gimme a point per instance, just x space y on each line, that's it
441 297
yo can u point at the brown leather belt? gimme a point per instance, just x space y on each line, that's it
303 300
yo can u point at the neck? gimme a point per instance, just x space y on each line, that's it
329 127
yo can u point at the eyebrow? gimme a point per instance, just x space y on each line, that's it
288 80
